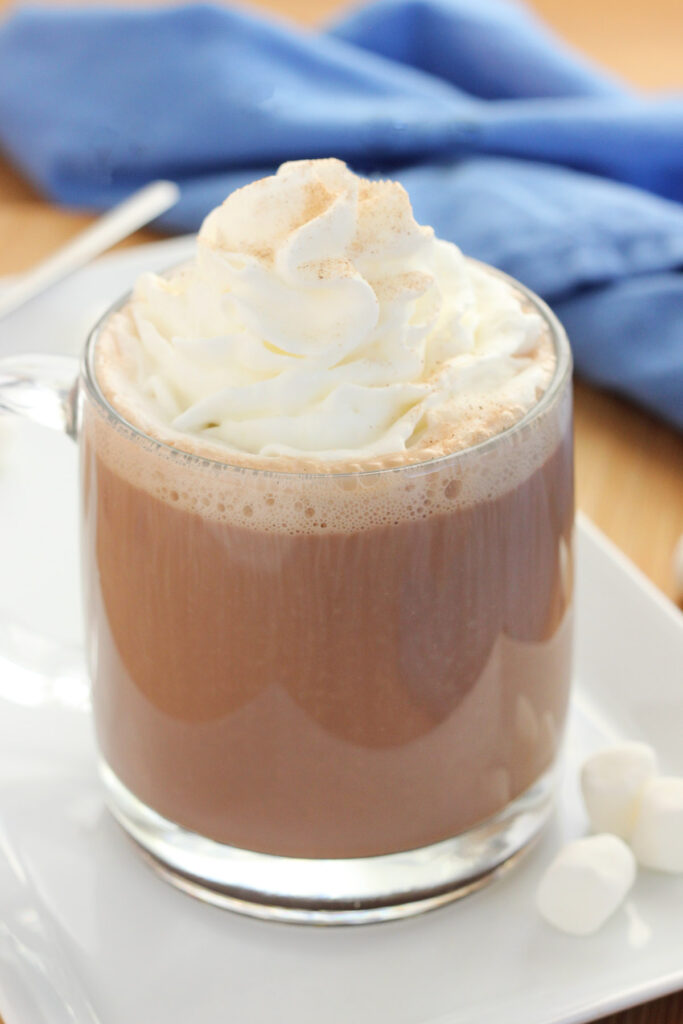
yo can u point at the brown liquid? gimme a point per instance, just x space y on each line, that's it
338 692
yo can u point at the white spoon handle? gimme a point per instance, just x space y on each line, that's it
133 213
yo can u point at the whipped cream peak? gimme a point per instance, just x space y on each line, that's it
319 319
314 220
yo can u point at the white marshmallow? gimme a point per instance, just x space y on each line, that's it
612 782
586 883
657 838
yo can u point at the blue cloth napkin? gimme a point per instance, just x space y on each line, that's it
509 143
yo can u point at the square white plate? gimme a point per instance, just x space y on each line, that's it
89 934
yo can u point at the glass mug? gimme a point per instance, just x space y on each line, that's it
334 698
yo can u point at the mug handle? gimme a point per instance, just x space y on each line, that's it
36 668
41 388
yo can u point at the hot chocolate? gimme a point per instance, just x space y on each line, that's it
330 579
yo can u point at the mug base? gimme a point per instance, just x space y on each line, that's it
345 891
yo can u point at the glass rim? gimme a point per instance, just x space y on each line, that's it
561 374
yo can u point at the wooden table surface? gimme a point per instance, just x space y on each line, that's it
629 466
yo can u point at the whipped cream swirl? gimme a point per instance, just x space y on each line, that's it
320 320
